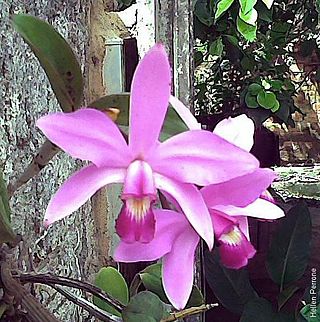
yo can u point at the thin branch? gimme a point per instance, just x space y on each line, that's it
88 306
190 311
51 280
36 311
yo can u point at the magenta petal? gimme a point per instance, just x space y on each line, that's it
139 180
87 134
177 269
244 226
169 225
239 191
202 158
260 208
185 114
150 93
78 189
190 200
238 130
221 222
236 256
131 229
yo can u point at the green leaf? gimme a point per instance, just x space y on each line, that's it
288 255
151 279
146 307
56 57
250 17
261 310
311 313
203 12
267 99
231 287
6 232
223 6
251 100
254 88
216 47
286 295
276 107
247 5
233 40
173 124
247 31
4 196
113 283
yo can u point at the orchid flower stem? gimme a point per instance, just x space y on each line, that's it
91 308
190 311
52 280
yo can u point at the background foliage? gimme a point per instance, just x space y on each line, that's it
244 59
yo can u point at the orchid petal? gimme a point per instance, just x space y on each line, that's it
150 93
259 209
221 222
185 114
236 256
87 134
139 180
78 189
178 267
169 225
238 130
202 158
240 191
191 203
243 225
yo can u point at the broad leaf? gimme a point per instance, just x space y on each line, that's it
247 31
231 287
261 310
267 99
202 11
288 255
286 295
146 307
223 6
6 232
56 57
151 279
251 101
113 283
250 17
4 196
216 47
254 88
247 5
310 313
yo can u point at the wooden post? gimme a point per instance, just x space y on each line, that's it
174 28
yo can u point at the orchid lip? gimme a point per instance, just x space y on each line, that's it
137 208
233 237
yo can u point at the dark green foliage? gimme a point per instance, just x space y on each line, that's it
231 287
290 248
236 54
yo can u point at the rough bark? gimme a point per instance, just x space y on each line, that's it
70 246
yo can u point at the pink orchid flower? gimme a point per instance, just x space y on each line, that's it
229 204
143 164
